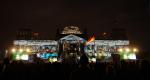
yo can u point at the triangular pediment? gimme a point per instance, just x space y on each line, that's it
71 38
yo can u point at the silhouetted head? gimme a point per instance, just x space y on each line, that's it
84 60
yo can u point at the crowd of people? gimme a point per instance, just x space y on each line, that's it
124 70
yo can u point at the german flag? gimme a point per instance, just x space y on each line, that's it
91 39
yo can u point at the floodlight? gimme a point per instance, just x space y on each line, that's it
13 50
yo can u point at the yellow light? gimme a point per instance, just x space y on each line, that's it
127 50
21 50
13 50
135 50
104 33
27 50
120 50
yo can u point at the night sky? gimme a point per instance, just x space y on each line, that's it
97 16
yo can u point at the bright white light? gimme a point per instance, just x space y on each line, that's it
93 59
135 50
132 56
13 50
25 57
21 50
78 57
125 56
38 55
95 54
54 59
109 55
17 57
127 50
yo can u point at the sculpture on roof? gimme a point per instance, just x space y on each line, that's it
71 30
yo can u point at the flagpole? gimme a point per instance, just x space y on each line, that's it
94 47
91 40
94 44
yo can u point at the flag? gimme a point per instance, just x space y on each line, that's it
91 39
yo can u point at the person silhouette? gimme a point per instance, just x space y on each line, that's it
83 71
5 63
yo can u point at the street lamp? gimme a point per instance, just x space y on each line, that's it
120 50
13 50
27 50
127 50
135 50
21 50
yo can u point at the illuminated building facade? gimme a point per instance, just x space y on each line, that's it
71 42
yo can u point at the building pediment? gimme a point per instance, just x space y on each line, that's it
71 38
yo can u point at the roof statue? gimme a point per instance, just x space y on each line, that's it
71 30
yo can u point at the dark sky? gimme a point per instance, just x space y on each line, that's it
96 15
